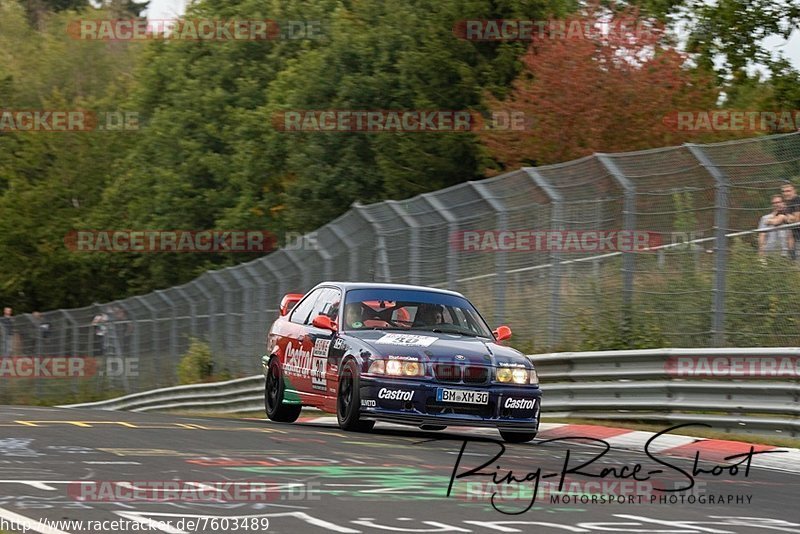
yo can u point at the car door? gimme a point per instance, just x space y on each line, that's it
294 346
320 341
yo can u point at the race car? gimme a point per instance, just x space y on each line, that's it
404 354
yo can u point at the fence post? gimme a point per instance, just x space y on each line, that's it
248 313
305 278
227 310
212 320
629 224
721 204
128 345
501 256
413 241
156 344
381 269
352 249
452 228
260 294
557 218
192 309
173 334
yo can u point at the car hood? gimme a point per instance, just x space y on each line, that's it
440 348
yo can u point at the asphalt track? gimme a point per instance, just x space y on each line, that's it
311 477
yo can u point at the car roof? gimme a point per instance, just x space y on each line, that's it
347 286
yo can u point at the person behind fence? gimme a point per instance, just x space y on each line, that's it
100 323
775 241
791 214
7 326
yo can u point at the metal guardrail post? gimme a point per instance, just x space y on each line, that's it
557 217
413 240
721 205
452 229
629 224
381 271
501 256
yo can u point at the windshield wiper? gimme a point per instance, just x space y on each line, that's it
457 332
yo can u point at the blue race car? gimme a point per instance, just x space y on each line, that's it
404 354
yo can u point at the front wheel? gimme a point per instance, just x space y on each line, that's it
517 437
273 396
348 401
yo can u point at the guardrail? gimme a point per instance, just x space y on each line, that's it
636 385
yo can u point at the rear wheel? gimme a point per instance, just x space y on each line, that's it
348 401
273 396
517 437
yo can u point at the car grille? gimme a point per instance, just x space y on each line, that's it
432 407
457 374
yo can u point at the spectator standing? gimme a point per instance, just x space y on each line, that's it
790 215
775 241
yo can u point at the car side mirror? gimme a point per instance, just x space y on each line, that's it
502 333
288 301
324 322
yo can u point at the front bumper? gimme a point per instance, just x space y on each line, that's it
413 402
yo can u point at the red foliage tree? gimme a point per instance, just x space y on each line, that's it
598 91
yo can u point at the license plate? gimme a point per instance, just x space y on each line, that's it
462 396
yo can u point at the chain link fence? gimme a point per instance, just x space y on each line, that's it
699 282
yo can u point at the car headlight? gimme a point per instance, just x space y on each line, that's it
504 374
378 367
397 368
516 375
394 367
412 369
520 376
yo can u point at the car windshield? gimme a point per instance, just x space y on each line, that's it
405 309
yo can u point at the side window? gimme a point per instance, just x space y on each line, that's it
301 310
327 304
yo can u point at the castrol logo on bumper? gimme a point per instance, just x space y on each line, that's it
395 394
519 404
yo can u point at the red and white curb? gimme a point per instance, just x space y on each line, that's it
715 450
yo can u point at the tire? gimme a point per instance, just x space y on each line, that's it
517 437
348 401
432 427
273 396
